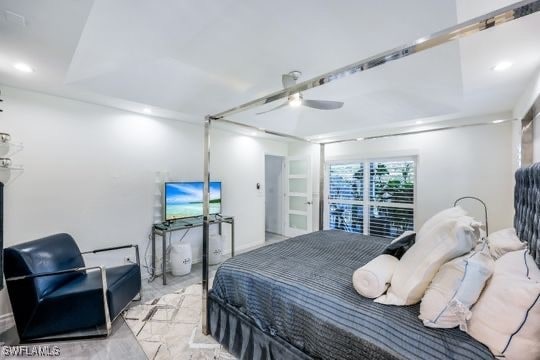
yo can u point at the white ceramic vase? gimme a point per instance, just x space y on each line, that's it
181 259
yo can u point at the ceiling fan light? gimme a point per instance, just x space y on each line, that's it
295 100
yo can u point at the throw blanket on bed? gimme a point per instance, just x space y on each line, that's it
301 290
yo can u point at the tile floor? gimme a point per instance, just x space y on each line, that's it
122 343
170 327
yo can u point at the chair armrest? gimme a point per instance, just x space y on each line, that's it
108 322
31 276
137 257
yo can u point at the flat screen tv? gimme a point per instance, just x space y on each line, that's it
185 199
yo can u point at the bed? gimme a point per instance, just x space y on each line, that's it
295 299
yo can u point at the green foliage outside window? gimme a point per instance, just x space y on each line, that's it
390 182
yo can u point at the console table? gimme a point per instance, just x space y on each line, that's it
184 224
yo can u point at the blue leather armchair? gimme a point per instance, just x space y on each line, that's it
53 293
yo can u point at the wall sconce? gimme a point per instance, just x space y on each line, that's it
8 149
5 162
5 137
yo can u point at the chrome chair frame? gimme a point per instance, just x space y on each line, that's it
137 259
108 320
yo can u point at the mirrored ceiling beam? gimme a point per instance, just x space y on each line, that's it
414 132
269 132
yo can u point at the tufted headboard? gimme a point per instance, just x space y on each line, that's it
527 208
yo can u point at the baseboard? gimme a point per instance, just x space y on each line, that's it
7 321
237 250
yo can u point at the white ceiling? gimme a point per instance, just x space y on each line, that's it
186 59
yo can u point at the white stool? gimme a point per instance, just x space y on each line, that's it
215 249
181 259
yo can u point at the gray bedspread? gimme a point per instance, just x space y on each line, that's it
301 290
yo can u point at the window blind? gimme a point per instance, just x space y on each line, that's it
374 197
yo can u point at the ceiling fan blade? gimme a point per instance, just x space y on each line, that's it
322 104
277 107
288 80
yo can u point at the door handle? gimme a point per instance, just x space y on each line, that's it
308 202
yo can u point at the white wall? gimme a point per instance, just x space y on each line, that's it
91 171
452 163
238 161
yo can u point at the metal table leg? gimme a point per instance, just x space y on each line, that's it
153 270
232 237
164 256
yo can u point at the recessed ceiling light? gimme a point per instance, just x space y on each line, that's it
419 122
503 65
497 121
359 139
22 67
147 110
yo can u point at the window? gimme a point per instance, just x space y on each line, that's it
374 197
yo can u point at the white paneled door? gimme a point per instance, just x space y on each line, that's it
299 202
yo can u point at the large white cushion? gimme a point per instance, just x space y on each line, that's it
372 279
446 214
506 318
455 288
503 241
447 240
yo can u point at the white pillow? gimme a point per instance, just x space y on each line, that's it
455 288
446 214
372 279
503 241
506 318
448 239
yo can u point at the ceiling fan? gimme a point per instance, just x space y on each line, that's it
297 99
